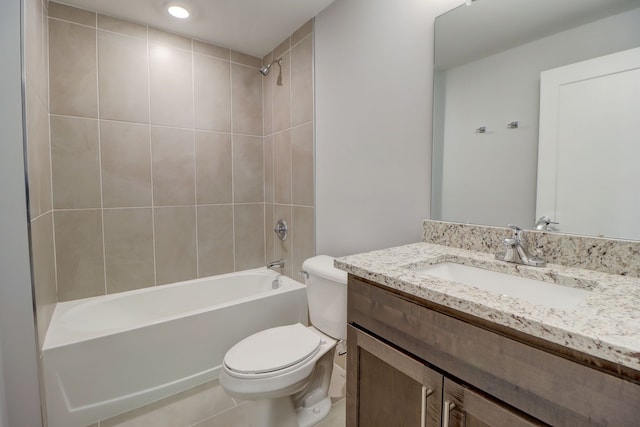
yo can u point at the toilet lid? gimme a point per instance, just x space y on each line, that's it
272 349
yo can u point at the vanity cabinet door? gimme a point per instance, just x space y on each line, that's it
386 387
463 407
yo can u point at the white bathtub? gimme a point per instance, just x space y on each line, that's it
107 355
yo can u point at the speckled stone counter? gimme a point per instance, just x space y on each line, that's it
613 256
606 324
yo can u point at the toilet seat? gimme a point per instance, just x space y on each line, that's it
278 350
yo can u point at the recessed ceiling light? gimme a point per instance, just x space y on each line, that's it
178 12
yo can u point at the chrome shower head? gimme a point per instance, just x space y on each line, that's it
265 70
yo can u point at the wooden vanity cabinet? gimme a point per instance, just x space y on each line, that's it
409 364
391 388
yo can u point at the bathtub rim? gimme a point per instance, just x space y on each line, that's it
60 340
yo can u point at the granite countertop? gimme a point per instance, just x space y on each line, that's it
606 324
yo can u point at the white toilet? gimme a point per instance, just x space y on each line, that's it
285 371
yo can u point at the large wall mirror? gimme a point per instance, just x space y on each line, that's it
537 113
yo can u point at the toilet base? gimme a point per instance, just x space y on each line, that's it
308 417
272 412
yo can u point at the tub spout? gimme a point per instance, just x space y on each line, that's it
276 264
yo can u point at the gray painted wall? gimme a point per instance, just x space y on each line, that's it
373 76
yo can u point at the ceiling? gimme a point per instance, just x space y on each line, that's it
487 27
254 27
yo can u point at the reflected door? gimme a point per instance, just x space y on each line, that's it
589 154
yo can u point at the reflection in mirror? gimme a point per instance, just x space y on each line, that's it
488 60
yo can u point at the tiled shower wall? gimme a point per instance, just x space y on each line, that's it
288 145
160 167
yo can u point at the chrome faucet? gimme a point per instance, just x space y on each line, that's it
516 251
275 284
544 224
276 264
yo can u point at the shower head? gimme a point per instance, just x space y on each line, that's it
265 70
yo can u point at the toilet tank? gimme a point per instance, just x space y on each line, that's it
327 296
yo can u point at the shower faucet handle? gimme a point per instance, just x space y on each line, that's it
281 229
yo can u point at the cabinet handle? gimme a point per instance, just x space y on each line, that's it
446 411
426 392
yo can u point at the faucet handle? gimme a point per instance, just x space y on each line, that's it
543 223
517 231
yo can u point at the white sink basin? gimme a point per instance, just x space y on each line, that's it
533 291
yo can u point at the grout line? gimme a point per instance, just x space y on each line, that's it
159 126
233 204
313 139
264 170
162 206
301 40
121 33
45 32
153 211
290 131
55 18
193 139
104 251
271 80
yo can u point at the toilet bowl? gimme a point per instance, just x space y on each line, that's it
285 371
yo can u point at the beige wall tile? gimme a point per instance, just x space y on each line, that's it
283 249
171 85
44 272
269 234
248 176
213 167
267 97
123 27
75 163
42 81
212 93
282 48
245 59
32 38
302 182
302 32
173 166
72 69
302 236
268 168
282 96
36 49
266 60
186 90
126 164
175 244
168 39
302 82
72 14
210 49
39 155
215 240
249 235
180 410
128 246
282 167
79 256
123 77
246 100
